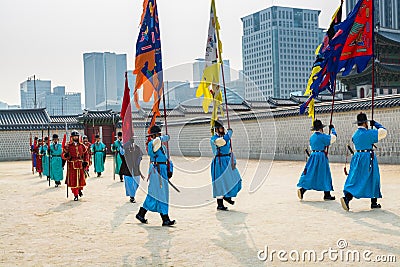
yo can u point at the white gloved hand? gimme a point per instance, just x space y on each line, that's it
220 142
156 144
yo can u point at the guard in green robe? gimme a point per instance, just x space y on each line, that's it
99 155
56 169
45 157
115 148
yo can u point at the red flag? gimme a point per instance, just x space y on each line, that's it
358 48
126 113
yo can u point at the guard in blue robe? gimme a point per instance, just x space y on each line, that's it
157 198
131 156
98 150
317 174
56 168
115 148
363 180
45 157
226 179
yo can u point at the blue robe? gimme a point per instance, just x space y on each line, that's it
33 156
226 181
45 160
157 198
317 174
98 150
56 169
364 179
131 185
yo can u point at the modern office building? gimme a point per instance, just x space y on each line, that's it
278 45
32 87
387 12
61 103
104 79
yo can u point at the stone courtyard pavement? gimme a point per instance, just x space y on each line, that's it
39 226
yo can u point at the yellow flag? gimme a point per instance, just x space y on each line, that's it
209 85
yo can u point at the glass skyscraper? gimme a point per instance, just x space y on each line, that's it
278 50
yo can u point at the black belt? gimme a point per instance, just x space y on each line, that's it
157 163
318 150
223 155
366 150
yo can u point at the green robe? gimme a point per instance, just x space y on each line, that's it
45 159
99 155
118 160
56 169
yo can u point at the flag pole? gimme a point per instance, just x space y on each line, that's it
49 151
373 62
223 79
166 124
331 119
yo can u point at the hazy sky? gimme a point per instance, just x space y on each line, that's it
48 37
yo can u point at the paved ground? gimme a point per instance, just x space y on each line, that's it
39 226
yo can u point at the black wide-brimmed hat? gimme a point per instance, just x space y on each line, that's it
119 134
97 136
55 136
74 133
317 125
155 129
361 118
218 124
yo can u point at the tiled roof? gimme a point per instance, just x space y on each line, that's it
106 116
64 119
23 119
237 107
394 38
192 109
345 105
58 122
170 112
260 105
282 102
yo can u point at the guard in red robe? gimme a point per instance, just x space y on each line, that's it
39 165
75 152
88 158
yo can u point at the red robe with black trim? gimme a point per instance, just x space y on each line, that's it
88 157
39 167
75 153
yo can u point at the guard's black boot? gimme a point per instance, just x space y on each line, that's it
76 198
220 204
121 178
229 200
80 193
98 174
374 204
141 214
327 196
345 201
132 200
300 193
166 220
